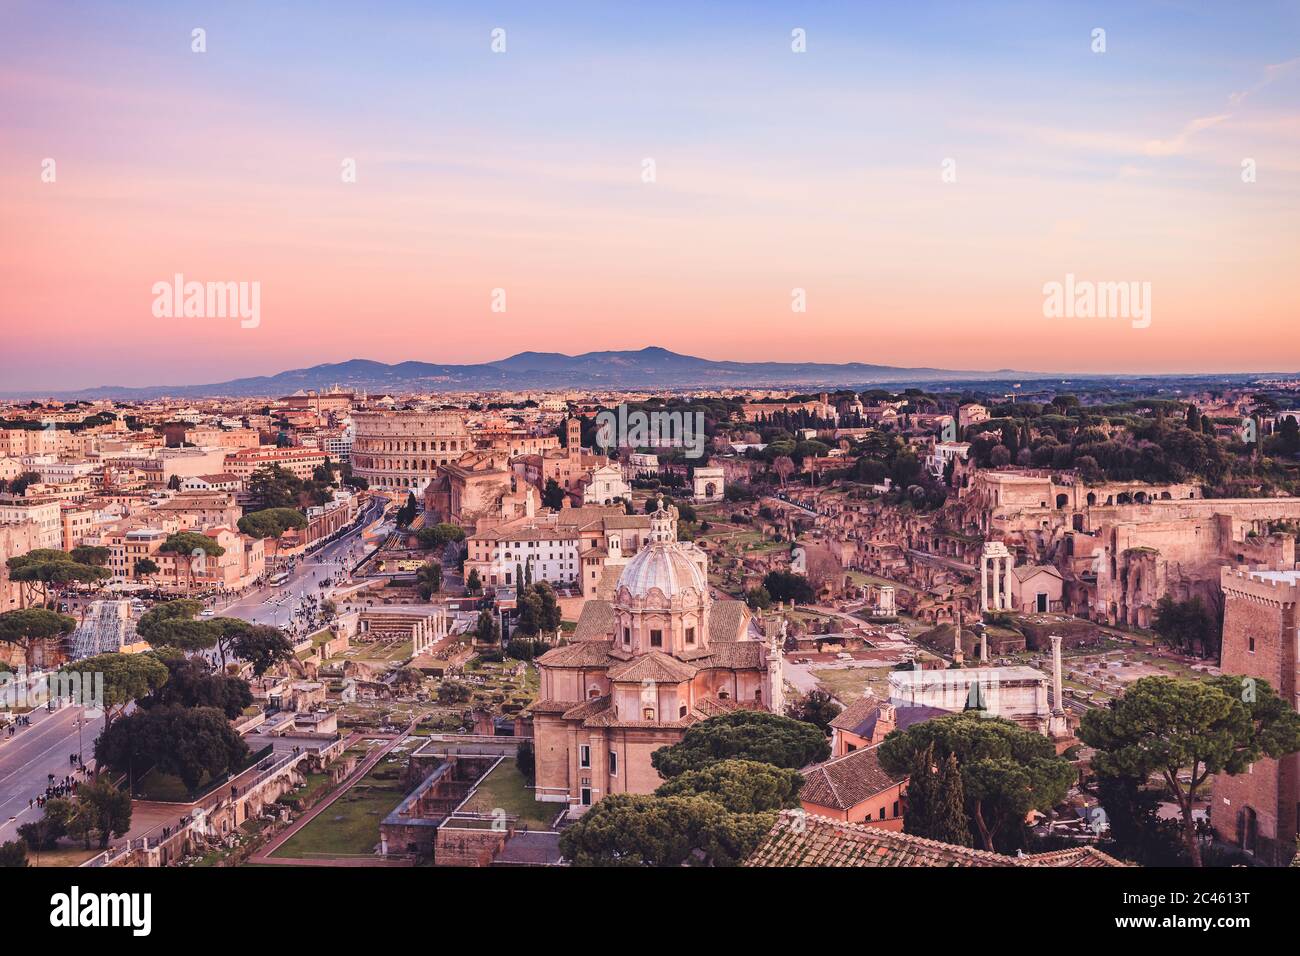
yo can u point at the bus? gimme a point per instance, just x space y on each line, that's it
280 579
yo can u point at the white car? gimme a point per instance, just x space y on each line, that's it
207 612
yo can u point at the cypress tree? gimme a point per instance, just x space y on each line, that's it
948 817
920 794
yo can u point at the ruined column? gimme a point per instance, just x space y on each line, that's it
984 582
997 584
1058 724
1058 707
984 648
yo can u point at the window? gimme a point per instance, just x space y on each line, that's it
656 638
882 813
690 635
681 711
648 713
627 635
613 763
1252 644
584 756
895 808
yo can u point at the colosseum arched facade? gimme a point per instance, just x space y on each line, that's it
401 450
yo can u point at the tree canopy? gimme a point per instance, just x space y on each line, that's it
194 744
1005 770
746 735
191 684
41 568
24 627
1166 725
263 646
271 522
127 677
644 830
741 786
539 611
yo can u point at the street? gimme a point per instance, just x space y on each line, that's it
32 754
276 605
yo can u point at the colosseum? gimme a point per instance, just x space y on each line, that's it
400 451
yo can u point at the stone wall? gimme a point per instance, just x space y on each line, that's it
1259 640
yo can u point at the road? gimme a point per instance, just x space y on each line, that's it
276 605
34 752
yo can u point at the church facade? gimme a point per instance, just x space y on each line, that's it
642 669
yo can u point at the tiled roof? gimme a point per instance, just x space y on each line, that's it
908 714
607 583
1027 571
595 623
588 708
578 654
655 666
859 717
844 782
807 839
728 621
734 655
553 706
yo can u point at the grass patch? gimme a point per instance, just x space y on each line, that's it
306 794
62 856
847 684
505 788
350 825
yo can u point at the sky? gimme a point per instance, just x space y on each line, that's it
675 175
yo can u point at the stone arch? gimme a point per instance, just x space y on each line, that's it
1061 501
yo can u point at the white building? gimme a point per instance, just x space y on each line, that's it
944 452
45 514
1016 693
547 553
605 485
640 464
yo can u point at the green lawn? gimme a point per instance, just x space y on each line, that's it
505 788
350 825
315 783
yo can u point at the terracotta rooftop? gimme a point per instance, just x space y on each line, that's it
806 839
844 782
859 717
578 654
655 666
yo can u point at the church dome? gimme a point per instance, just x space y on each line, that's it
662 566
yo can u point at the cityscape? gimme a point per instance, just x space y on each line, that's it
732 438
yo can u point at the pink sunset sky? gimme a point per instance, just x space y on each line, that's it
522 171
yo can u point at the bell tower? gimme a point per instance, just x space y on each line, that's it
573 438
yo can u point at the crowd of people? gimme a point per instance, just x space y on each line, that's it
65 787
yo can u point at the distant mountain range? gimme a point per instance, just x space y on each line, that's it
651 367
